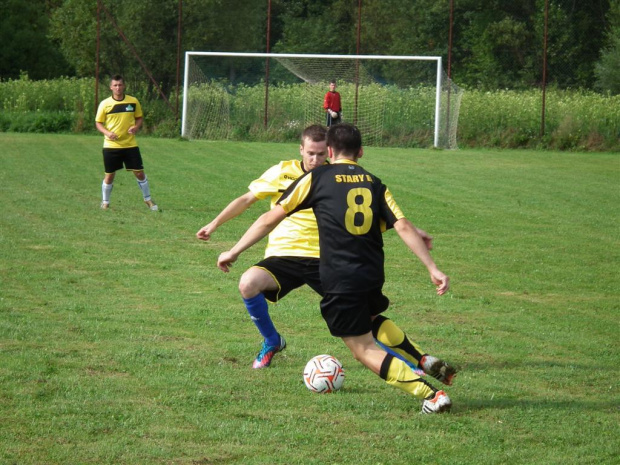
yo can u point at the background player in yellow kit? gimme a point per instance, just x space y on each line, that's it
119 118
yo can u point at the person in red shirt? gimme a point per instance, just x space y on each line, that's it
332 105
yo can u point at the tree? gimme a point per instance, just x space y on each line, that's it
317 26
24 43
148 26
226 26
608 67
151 28
495 43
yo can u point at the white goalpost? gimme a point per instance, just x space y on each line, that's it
394 100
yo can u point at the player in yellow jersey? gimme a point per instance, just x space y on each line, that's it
119 118
292 253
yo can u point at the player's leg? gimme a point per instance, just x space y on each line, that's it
253 285
396 341
106 190
253 282
397 373
133 162
348 316
270 280
112 162
391 369
143 184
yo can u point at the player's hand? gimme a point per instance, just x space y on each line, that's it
132 130
204 233
441 281
112 136
225 261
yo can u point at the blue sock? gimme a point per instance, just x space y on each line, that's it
259 312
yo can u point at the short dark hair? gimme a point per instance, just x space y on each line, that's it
333 81
345 139
117 77
315 132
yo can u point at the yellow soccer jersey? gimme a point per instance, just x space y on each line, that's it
118 116
298 234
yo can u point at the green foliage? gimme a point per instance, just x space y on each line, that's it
57 105
67 104
24 45
608 77
149 29
144 27
38 121
574 120
121 343
64 94
495 44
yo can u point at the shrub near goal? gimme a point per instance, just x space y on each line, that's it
323 374
403 101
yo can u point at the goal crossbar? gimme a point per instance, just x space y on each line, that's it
437 59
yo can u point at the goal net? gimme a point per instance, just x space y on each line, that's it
394 100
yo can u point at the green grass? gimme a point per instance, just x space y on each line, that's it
120 341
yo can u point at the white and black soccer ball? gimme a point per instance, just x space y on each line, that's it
324 373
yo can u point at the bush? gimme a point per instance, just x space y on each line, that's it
574 120
37 121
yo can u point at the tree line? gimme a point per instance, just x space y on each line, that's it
495 44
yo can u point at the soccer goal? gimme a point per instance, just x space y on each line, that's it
394 100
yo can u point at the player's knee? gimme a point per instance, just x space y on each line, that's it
248 287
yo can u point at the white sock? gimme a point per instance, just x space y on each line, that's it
106 191
144 186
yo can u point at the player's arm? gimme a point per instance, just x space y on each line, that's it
426 237
326 101
103 130
232 210
137 125
414 241
259 229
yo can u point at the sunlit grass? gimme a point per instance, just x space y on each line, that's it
120 341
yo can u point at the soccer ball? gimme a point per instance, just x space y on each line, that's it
323 373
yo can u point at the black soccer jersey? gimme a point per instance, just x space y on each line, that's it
352 208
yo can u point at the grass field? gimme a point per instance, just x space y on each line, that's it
121 343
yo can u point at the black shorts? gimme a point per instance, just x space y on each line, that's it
290 273
349 314
331 121
114 159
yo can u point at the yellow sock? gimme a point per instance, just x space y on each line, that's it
387 333
397 373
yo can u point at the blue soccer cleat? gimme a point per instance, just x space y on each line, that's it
263 359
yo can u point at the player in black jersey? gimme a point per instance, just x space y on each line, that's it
352 206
